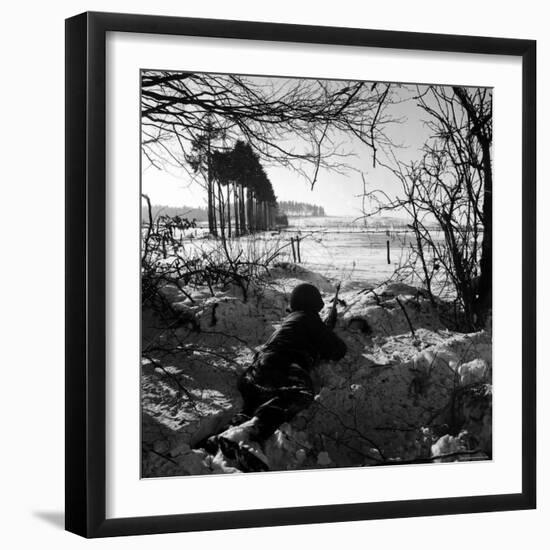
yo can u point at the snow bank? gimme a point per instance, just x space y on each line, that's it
408 389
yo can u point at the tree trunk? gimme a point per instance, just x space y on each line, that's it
242 214
228 210
220 211
484 300
210 217
249 210
211 194
236 211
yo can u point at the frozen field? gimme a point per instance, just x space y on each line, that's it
354 256
349 250
336 247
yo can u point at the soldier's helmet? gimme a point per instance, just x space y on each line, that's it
306 297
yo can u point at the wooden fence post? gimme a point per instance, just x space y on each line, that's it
388 251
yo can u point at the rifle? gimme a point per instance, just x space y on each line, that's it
332 317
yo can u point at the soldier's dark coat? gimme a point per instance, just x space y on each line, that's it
278 384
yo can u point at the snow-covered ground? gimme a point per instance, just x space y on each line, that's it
409 389
340 248
352 256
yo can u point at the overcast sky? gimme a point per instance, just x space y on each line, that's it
338 194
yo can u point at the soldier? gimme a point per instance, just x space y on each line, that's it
278 384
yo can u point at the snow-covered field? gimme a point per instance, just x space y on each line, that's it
340 248
352 256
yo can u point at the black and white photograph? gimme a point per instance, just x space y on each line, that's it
316 273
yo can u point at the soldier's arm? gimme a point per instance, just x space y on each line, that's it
331 346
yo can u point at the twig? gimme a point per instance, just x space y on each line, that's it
162 456
406 316
158 364
352 429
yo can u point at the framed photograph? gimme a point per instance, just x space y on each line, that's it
300 280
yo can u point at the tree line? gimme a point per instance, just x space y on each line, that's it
295 208
189 212
240 196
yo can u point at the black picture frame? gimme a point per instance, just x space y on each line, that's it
86 284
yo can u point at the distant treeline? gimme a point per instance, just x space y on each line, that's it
294 208
189 212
